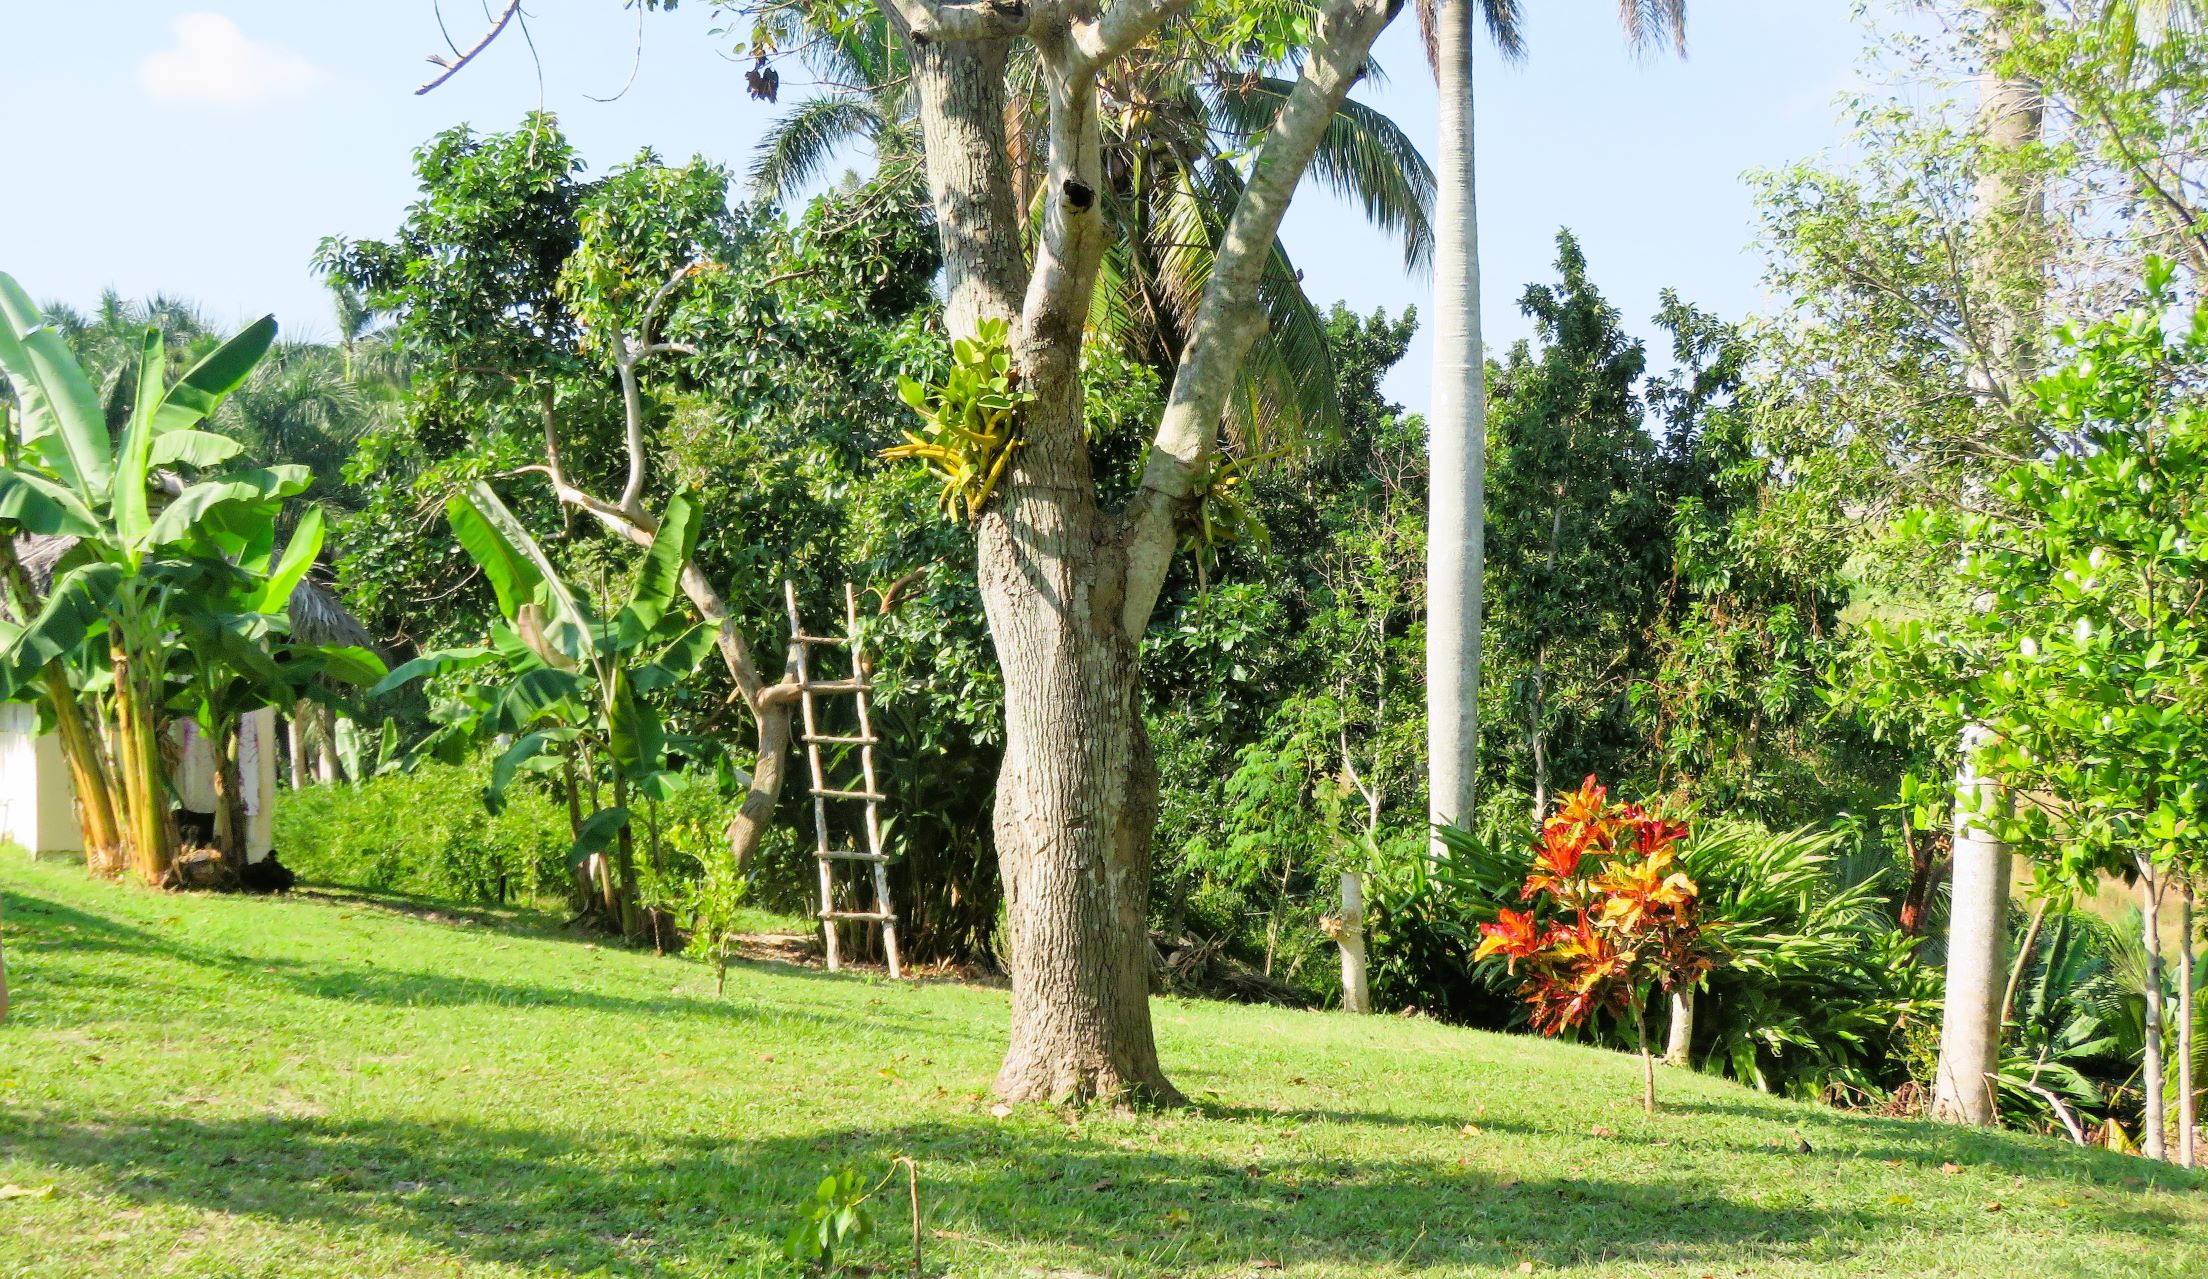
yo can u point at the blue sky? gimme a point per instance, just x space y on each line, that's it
203 149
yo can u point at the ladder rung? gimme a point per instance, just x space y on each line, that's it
827 739
887 917
821 639
849 794
851 855
837 686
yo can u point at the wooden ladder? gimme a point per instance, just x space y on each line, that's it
878 861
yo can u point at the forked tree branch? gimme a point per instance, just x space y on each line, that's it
929 20
1120 28
1230 315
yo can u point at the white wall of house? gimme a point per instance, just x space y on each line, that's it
38 800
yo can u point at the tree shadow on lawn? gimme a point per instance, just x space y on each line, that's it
54 929
638 1204
1931 1144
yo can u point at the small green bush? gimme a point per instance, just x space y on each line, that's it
425 832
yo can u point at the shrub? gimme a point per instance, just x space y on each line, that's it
426 832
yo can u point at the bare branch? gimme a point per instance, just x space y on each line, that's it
1228 319
452 65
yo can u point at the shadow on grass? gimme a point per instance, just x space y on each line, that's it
1929 1144
521 1196
51 928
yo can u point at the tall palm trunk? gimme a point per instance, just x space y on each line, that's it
1977 949
1455 554
2005 202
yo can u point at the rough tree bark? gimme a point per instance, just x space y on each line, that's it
1069 587
1455 556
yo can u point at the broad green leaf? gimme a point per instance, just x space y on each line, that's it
597 833
524 749
36 504
349 664
571 625
671 551
194 448
267 485
689 649
437 663
201 390
637 742
512 576
62 421
299 556
77 606
134 465
533 695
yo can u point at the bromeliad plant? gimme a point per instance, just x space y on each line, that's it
1614 920
573 696
970 422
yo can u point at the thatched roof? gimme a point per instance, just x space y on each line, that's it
316 615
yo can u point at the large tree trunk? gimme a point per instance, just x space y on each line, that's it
1076 803
1977 950
1455 557
1068 591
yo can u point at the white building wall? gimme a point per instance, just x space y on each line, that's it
37 801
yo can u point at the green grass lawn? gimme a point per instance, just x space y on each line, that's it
331 1086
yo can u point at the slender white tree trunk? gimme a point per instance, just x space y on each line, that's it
1977 950
2151 1070
2188 1098
1455 553
1679 1039
1356 989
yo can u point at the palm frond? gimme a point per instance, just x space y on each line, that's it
1647 22
1363 156
800 144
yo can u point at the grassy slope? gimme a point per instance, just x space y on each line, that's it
329 1087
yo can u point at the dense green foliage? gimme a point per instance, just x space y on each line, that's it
426 832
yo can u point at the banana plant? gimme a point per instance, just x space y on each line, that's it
561 689
236 656
163 524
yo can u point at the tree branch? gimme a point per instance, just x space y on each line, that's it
452 66
931 20
1120 28
1228 319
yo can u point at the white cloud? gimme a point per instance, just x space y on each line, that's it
214 62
